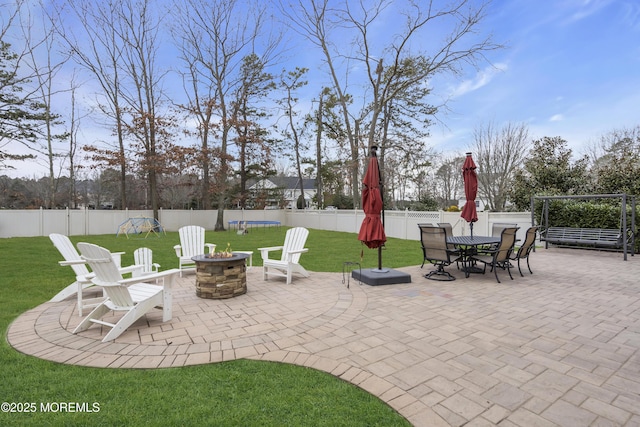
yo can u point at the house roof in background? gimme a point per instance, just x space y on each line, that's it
286 182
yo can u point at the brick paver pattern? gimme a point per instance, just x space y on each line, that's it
559 347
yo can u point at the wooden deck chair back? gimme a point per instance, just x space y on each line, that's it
144 257
191 244
289 262
294 241
83 276
192 240
131 296
107 274
69 253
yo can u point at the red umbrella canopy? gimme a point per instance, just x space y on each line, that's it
372 231
469 212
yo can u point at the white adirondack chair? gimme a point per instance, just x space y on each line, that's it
83 276
288 263
144 257
131 296
191 244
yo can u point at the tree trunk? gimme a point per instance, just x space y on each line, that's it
319 189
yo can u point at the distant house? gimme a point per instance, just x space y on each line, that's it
282 191
479 204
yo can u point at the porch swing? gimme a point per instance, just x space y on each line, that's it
622 238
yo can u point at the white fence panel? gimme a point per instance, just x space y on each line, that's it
20 223
398 224
173 219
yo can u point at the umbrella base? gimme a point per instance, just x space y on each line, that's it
376 277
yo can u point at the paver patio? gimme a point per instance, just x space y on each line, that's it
559 347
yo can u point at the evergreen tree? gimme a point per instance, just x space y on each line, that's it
20 117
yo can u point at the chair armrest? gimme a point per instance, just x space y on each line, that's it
210 247
486 250
301 251
290 253
72 262
149 277
178 250
264 252
271 248
135 268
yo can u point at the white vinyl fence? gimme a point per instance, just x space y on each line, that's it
399 224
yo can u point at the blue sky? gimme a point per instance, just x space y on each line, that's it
571 69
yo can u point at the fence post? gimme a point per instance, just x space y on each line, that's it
406 223
41 222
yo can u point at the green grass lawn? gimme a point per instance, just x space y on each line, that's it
237 393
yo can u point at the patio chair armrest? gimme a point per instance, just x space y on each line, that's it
131 269
72 262
454 252
210 247
178 250
264 252
150 277
271 248
291 253
300 251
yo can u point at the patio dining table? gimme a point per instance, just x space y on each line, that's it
468 246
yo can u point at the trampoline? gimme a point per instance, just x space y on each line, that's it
244 225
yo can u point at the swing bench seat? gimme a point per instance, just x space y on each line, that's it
606 238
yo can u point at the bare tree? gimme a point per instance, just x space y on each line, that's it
97 47
75 120
214 37
139 28
45 63
498 153
612 143
392 69
448 180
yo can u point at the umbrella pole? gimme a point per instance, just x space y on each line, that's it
374 154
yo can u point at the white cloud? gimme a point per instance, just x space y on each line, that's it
632 15
556 118
587 8
481 79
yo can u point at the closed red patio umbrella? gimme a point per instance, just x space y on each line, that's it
469 212
372 230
